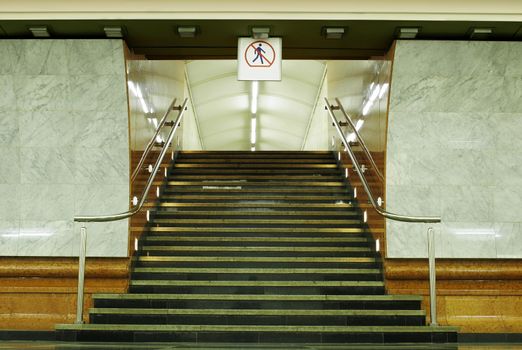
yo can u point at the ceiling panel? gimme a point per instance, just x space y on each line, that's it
223 104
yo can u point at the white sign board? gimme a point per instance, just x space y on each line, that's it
259 59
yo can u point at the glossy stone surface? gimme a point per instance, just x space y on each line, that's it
454 130
63 133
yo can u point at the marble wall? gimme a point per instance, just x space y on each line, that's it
454 127
64 146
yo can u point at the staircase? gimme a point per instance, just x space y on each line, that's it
257 247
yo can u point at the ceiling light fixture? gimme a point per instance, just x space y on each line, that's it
113 32
480 33
260 32
187 32
333 33
408 33
40 31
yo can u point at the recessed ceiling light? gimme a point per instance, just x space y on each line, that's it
113 32
407 33
187 32
40 31
333 33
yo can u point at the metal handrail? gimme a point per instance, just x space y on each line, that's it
120 216
152 140
137 207
397 217
386 214
361 141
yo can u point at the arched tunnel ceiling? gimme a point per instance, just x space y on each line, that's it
222 104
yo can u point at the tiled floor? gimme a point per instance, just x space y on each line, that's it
16 345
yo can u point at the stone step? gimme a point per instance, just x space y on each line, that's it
260 301
256 274
256 287
252 222
256 261
250 213
256 334
257 316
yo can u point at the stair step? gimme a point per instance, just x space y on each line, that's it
241 198
166 212
259 301
254 270
253 171
264 154
256 274
256 249
257 317
266 178
293 206
257 312
256 221
256 262
277 329
267 241
283 166
259 230
257 283
256 160
245 183
256 333
278 297
238 189
255 239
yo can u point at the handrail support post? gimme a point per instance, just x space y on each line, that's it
432 277
81 275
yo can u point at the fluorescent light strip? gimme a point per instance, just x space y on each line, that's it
253 131
255 94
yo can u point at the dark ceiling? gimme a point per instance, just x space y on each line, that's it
302 39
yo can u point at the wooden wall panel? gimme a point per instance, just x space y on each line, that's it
477 295
37 293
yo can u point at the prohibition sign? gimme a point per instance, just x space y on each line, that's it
260 54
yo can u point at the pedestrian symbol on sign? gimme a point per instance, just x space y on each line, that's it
260 54
259 51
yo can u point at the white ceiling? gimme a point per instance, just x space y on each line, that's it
222 104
